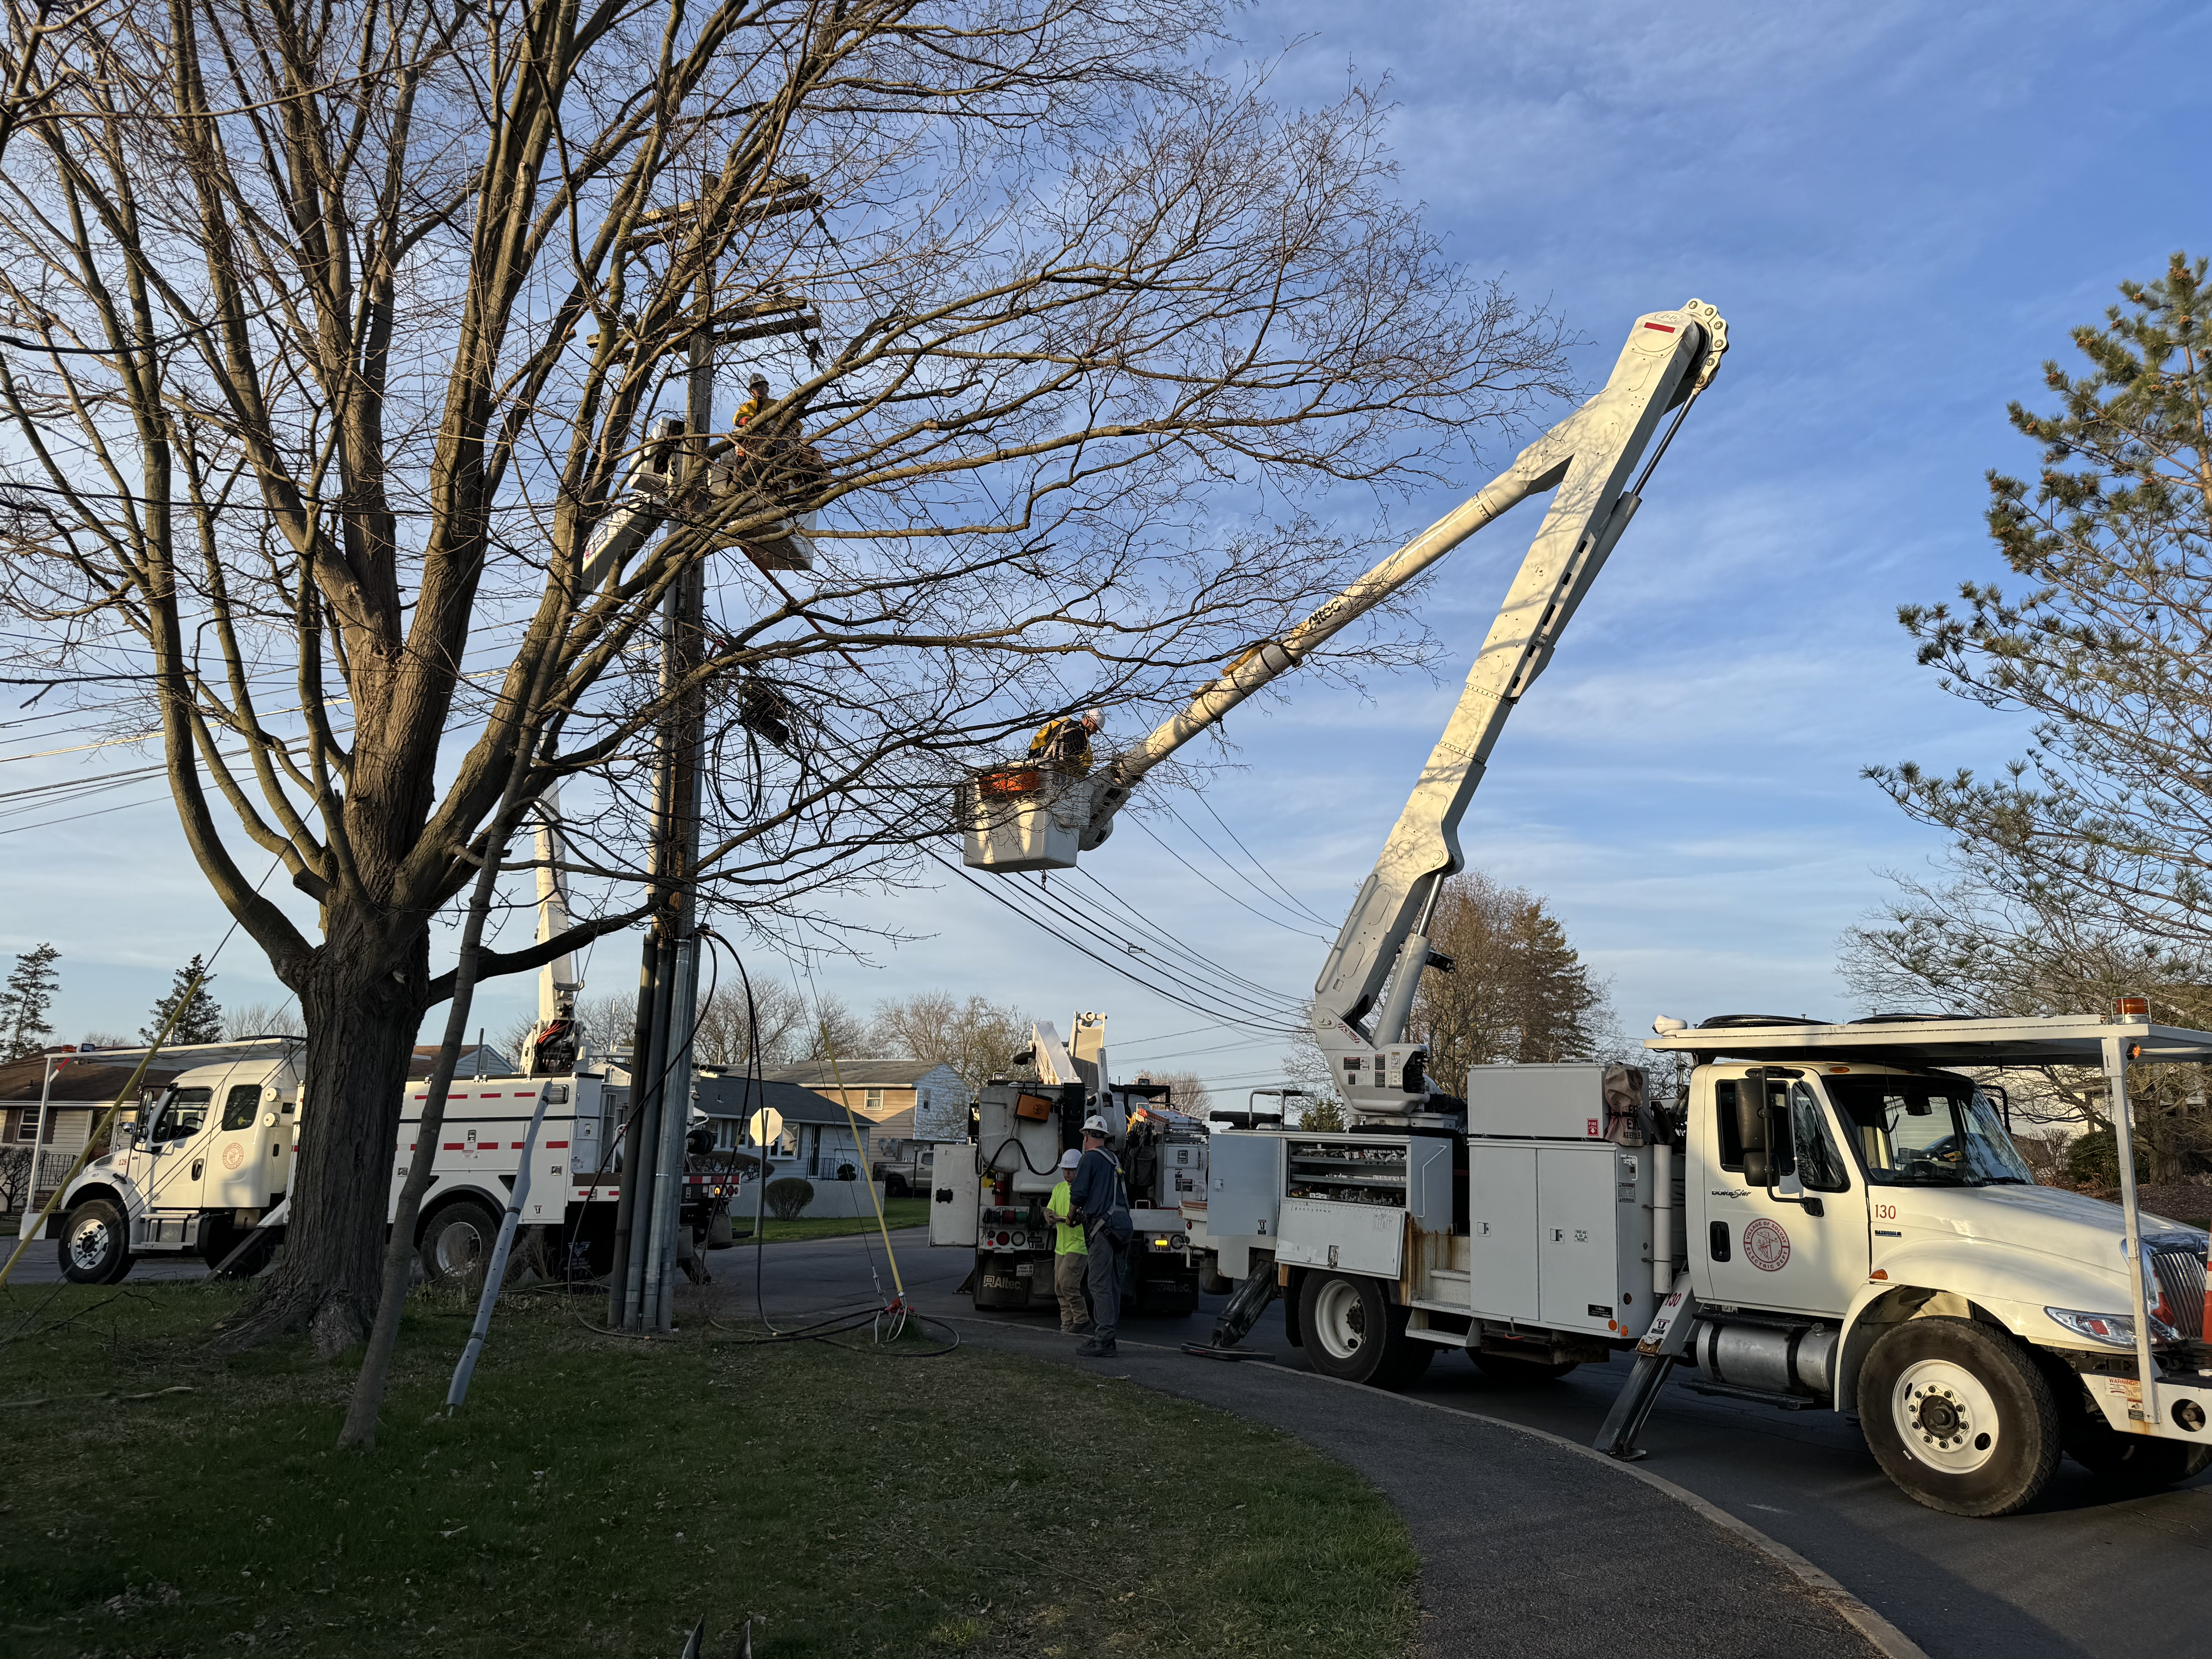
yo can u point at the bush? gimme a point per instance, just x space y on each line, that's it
788 1196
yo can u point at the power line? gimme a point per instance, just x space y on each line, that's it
1296 901
1276 920
1230 866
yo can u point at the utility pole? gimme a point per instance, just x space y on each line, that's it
652 1193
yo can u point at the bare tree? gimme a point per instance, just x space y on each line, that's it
1516 991
1186 1091
14 1176
351 325
976 1037
254 1019
727 1022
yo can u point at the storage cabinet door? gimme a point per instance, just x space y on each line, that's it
1501 1224
1577 1281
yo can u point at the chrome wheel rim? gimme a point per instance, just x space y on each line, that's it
457 1249
1339 1319
1945 1416
89 1242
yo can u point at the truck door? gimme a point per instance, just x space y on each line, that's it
244 1148
1756 1248
169 1163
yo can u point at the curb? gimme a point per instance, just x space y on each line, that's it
1891 1642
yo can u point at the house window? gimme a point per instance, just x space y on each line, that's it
875 1101
26 1124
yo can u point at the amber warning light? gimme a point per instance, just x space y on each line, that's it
2138 1007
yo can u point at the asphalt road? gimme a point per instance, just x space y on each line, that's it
2078 1574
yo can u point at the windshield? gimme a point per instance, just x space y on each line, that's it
1926 1131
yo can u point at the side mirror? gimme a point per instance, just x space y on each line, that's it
1751 1123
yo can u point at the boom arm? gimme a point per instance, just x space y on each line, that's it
1698 326
1669 357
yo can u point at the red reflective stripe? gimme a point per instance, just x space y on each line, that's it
555 1144
454 1146
493 1095
1663 328
421 1096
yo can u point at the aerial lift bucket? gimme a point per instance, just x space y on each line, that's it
1023 816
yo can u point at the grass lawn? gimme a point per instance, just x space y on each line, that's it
897 1213
599 1495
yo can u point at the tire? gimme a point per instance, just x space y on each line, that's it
1353 1331
1959 1416
95 1246
216 1244
1211 1279
895 1187
1414 1359
1504 1368
457 1241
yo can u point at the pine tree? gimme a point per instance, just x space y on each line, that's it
27 1001
202 1019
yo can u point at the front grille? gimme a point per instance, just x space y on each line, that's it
2181 1277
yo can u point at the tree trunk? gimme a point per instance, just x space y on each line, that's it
364 1019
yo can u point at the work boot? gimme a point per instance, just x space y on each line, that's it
1094 1349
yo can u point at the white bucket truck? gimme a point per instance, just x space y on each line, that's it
204 1166
988 1194
203 1169
1857 1229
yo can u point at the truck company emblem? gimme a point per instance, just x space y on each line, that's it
1765 1246
233 1155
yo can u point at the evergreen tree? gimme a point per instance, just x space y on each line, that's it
202 1019
27 1001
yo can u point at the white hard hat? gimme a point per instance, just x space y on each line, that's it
1095 1124
1070 1158
1092 715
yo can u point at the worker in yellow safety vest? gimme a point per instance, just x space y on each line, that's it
1070 1260
1066 743
749 411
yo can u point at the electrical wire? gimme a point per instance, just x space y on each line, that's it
1296 902
1276 920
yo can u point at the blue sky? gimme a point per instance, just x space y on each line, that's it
1901 210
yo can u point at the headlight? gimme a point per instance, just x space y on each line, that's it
2109 1330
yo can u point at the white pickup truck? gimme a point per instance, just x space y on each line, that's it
204 1166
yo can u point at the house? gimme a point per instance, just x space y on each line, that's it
816 1141
907 1100
81 1092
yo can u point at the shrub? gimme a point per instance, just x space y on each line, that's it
787 1197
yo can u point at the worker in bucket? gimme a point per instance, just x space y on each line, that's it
1066 743
1069 1262
1102 1203
749 411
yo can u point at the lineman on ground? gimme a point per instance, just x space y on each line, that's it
1068 1260
1104 1206
1066 743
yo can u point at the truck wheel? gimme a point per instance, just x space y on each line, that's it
1351 1330
457 1244
95 1243
1212 1281
1504 1368
1959 1416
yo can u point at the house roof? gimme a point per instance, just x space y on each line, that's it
859 1073
736 1095
80 1083
424 1058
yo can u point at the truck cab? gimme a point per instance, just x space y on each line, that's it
192 1170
